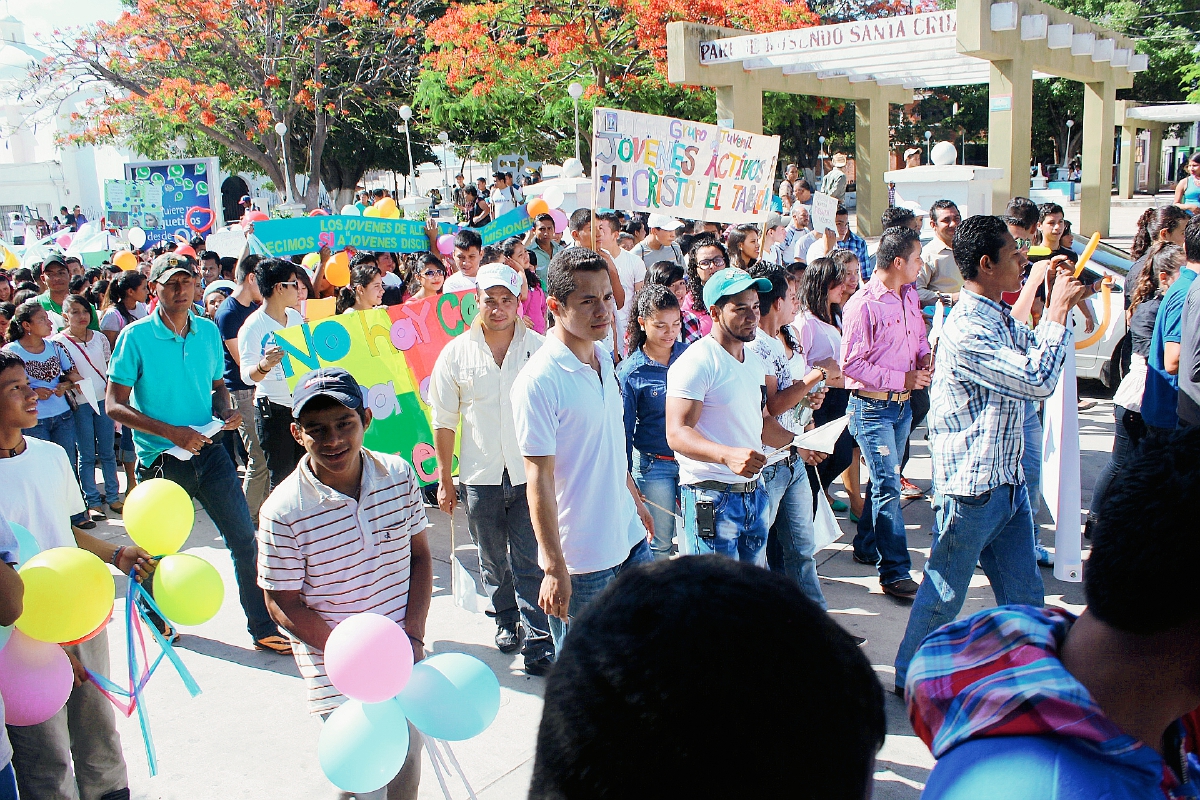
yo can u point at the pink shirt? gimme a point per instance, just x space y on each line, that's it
706 322
534 309
883 337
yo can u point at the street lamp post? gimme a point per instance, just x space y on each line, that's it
406 114
444 137
821 154
281 129
928 146
1067 149
576 92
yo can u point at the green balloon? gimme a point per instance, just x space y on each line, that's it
188 589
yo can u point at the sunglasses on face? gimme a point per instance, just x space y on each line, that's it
289 284
1023 243
429 273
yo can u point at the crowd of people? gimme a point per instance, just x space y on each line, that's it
632 390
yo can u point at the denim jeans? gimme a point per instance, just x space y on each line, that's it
1128 432
658 480
586 585
995 530
790 513
498 517
273 423
125 444
61 431
881 429
741 523
210 477
1031 458
96 439
8 783
919 403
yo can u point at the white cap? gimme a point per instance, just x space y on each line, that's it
496 274
915 207
912 151
664 222
220 286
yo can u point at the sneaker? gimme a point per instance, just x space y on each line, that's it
909 490
870 562
904 589
1044 557
507 639
540 666
860 641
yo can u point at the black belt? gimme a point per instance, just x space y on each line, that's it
749 487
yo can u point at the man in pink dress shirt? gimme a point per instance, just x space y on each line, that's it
885 356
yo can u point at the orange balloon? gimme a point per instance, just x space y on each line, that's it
337 269
537 206
125 260
385 204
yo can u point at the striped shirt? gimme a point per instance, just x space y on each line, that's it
988 367
344 556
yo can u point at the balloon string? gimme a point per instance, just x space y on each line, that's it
436 759
462 775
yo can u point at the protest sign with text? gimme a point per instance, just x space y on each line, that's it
663 165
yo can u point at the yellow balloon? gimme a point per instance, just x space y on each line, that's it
372 211
159 516
385 204
311 260
391 213
68 594
125 260
188 589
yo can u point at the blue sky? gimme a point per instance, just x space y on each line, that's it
41 17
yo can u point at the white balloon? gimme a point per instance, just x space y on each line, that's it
572 168
351 211
554 196
137 237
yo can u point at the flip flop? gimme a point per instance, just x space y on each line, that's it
274 644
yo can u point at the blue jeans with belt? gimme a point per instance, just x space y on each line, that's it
881 429
790 513
658 480
740 521
586 585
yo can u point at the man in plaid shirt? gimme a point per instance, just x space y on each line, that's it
988 366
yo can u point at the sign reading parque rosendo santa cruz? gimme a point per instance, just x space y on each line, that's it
390 352
663 165
287 237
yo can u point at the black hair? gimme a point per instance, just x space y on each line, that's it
9 359
940 205
20 275
580 218
362 275
842 211
651 644
466 238
427 260
1195 159
1022 212
79 299
271 272
23 294
695 285
560 278
79 283
363 257
614 222
93 273
1140 576
803 184
665 273
737 236
7 310
470 191
778 276
491 254
246 266
1161 257
821 276
544 218
205 255
1046 209
1151 224
976 237
1191 240
895 216
653 297
634 226
895 243
509 245
26 310
121 286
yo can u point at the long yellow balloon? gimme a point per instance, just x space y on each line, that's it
1087 253
1103 326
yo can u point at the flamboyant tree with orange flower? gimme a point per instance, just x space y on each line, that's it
497 71
231 70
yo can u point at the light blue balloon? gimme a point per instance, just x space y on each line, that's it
363 745
27 546
451 696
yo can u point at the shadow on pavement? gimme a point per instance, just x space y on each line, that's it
506 666
254 659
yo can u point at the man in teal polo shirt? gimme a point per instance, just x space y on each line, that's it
165 382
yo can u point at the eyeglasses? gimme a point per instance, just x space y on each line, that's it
287 284
1023 243
711 263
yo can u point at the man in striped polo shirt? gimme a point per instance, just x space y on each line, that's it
344 534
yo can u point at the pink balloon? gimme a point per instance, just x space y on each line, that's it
35 680
64 240
445 244
256 216
368 658
560 219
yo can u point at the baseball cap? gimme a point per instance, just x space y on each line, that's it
38 269
912 151
664 222
729 281
775 221
490 275
332 382
225 287
167 265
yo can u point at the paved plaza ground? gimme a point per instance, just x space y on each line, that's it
248 734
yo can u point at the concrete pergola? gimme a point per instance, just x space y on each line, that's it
1132 118
875 63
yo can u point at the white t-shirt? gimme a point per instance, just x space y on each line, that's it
113 321
632 271
392 280
91 359
561 408
459 282
501 201
255 337
40 492
732 396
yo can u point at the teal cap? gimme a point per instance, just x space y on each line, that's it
730 281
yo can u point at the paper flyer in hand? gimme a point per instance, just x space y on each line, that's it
822 439
209 430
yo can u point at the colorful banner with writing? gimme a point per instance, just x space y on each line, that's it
391 352
643 162
185 193
289 237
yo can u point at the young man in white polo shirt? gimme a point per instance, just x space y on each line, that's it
342 535
472 382
571 430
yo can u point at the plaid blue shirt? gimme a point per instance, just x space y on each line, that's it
858 245
988 366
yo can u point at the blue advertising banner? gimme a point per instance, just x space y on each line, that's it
289 237
188 187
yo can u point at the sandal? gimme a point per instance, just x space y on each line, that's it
167 632
837 505
116 507
274 644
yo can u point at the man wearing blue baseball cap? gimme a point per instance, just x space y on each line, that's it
717 425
